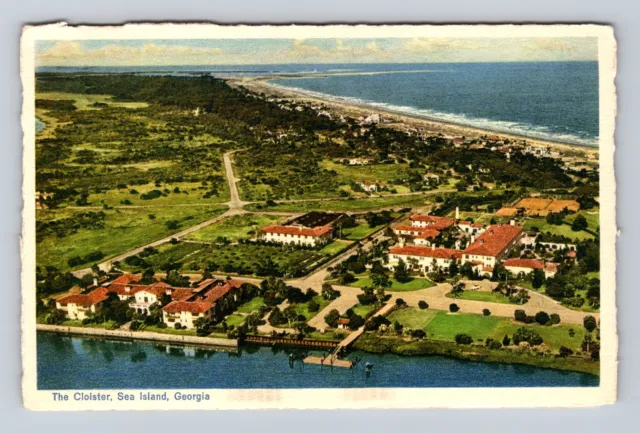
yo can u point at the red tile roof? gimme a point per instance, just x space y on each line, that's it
94 297
418 250
524 263
494 240
297 231
197 307
435 222
343 321
127 279
429 233
203 300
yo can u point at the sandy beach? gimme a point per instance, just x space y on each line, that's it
403 121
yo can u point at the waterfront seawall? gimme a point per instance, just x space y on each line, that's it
138 335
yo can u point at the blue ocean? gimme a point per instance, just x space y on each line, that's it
555 101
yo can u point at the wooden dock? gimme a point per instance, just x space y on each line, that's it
329 361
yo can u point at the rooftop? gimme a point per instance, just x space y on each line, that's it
297 231
422 251
494 240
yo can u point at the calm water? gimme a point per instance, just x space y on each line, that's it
85 363
549 100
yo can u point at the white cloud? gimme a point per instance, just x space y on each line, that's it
72 53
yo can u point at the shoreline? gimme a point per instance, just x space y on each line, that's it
262 84
138 335
372 343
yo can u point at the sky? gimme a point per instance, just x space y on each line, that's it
313 51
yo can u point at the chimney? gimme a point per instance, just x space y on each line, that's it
473 238
127 289
169 291
512 222
95 281
433 247
457 213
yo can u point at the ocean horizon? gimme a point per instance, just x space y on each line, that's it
555 101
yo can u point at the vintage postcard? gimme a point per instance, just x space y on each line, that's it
271 217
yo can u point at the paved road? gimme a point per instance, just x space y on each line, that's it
235 205
437 300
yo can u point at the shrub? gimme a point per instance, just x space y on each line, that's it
576 302
555 318
162 325
590 323
418 333
423 305
331 318
375 322
400 302
463 339
134 326
529 320
520 315
565 351
495 345
527 335
178 326
542 318
454 308
486 312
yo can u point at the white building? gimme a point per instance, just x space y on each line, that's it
493 245
527 266
297 235
424 259
79 307
370 186
431 179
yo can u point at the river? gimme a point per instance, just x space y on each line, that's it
86 363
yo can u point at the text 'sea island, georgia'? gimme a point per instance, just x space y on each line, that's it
317 213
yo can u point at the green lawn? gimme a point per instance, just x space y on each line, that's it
110 324
591 215
397 286
360 231
251 306
363 310
440 325
234 228
476 295
234 319
335 247
363 204
563 229
445 326
413 318
553 336
167 330
303 308
124 229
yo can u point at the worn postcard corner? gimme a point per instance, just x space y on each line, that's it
318 217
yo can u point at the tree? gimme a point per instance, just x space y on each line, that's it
453 269
331 318
423 305
401 273
590 323
328 293
579 223
555 318
418 333
313 306
537 279
400 302
542 318
454 308
520 315
506 340
486 312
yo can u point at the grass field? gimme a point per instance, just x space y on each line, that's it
397 286
189 192
251 306
374 172
84 101
167 330
592 216
564 230
234 319
360 231
124 230
440 325
234 228
475 295
358 205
